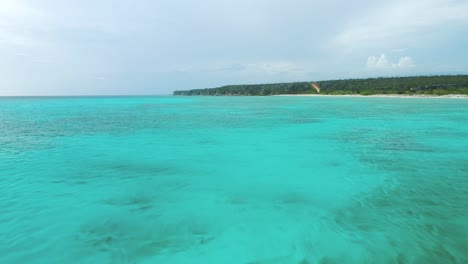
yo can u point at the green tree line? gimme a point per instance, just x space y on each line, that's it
428 85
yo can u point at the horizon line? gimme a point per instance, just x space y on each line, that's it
254 83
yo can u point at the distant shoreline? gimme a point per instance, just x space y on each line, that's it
414 87
457 96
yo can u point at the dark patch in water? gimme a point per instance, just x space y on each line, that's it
126 238
330 260
421 219
135 200
387 141
292 198
304 120
280 260
208 142
142 208
81 182
334 163
401 144
141 168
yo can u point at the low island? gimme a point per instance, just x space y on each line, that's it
440 85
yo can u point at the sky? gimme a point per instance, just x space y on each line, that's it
134 47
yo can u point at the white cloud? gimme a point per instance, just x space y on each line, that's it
398 21
382 62
405 62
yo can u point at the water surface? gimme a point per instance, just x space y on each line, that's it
233 180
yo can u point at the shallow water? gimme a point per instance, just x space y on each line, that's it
233 180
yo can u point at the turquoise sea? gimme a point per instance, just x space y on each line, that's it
233 180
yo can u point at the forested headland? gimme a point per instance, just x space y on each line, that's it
419 85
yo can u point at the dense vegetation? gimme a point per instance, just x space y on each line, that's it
428 85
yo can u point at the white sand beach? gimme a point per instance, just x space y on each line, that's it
379 95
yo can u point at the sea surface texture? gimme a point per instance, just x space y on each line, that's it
251 180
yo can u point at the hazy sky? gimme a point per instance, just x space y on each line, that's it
65 47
